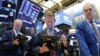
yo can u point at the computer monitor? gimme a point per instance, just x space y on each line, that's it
7 10
9 3
7 15
29 12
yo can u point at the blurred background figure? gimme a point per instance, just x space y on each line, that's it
9 43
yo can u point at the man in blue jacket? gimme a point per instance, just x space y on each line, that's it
88 33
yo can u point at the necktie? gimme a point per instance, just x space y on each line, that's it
17 33
51 32
95 30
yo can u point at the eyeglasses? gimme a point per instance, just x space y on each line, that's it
90 9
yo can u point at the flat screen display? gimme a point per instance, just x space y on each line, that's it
28 13
9 4
7 15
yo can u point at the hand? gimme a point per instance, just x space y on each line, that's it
15 42
64 40
43 49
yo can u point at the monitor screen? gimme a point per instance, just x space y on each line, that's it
9 3
29 12
7 10
0 3
7 15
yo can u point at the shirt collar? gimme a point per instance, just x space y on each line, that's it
16 33
89 21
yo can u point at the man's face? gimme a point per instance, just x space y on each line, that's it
49 21
88 11
17 26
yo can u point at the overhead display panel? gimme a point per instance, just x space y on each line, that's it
29 12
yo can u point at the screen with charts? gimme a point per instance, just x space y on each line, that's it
29 12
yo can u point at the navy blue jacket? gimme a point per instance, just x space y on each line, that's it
33 45
6 45
59 49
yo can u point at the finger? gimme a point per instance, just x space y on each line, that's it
44 44
40 48
17 39
47 49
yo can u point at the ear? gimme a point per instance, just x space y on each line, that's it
94 10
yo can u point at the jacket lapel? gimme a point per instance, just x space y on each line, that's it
89 31
87 27
12 34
